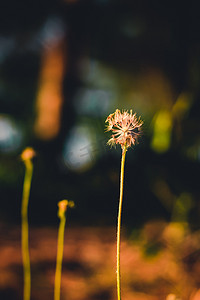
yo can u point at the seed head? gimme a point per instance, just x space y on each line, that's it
125 127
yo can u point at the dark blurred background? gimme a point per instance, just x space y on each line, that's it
64 67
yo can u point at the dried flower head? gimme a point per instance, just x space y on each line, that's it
125 127
28 154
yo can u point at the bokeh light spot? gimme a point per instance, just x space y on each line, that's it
79 151
162 131
10 134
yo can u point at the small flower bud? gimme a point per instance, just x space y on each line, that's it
62 207
28 154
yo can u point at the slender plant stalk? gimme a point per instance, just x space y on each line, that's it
125 128
60 247
62 208
119 223
25 229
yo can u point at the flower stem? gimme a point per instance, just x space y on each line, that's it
119 223
60 247
24 228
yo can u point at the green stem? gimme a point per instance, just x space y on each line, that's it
60 247
24 229
119 223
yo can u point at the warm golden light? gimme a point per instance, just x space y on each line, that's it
49 100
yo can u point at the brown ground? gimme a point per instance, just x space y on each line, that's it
159 260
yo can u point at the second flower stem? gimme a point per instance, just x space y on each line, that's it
24 229
119 223
60 248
